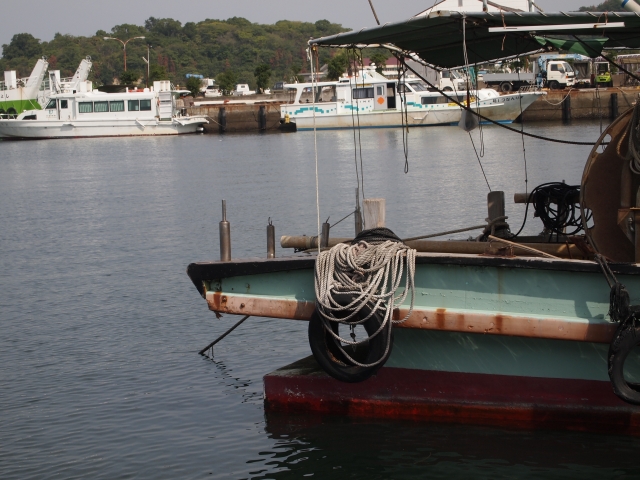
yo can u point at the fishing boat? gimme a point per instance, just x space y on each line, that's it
86 112
371 100
20 94
530 332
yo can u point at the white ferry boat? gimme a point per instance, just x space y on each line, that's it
90 113
372 100
20 94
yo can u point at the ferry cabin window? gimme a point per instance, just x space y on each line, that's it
100 107
85 107
145 105
117 106
437 99
64 103
51 104
363 92
134 105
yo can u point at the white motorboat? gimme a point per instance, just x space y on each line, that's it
372 100
90 113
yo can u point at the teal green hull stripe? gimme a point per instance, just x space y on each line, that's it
504 355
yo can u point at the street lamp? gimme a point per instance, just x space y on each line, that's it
124 44
147 61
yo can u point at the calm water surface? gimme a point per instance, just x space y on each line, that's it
99 375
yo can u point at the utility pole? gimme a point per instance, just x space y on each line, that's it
124 45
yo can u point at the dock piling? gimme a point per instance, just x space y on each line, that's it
614 106
566 109
262 118
222 120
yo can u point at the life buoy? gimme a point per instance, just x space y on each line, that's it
333 357
627 337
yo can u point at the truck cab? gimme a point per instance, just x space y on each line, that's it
557 74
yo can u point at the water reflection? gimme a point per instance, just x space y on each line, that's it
324 446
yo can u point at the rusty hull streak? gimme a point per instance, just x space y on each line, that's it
428 319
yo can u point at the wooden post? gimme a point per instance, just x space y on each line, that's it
374 212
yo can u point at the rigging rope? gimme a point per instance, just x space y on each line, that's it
313 50
370 271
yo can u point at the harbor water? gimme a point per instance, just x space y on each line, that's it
99 371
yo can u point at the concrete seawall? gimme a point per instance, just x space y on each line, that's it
586 104
262 112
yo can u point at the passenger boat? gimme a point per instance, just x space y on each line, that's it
380 102
90 113
20 94
534 332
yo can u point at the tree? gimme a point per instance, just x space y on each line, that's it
22 45
194 85
227 80
263 76
129 78
157 72
380 59
606 6
337 66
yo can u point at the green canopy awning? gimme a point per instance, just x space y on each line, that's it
437 37
590 47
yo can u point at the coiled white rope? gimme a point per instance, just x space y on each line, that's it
371 273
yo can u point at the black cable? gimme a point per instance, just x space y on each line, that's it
478 157
557 219
539 137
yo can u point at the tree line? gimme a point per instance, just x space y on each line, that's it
232 51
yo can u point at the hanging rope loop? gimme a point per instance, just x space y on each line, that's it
354 282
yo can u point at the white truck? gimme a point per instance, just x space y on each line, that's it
243 89
552 71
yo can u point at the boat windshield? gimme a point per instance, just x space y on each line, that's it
51 104
419 86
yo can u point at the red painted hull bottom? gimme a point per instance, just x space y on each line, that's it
511 401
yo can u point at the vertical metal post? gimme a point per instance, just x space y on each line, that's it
324 237
496 209
358 213
614 106
271 240
225 235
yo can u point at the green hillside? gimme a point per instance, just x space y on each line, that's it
210 47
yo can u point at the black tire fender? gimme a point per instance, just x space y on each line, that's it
626 338
328 354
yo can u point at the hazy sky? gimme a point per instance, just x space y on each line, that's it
43 18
